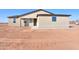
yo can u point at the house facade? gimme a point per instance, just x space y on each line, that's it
40 19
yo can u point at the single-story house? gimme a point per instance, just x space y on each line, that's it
40 19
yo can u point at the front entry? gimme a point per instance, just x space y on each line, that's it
35 22
26 23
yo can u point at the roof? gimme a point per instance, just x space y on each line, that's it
50 14
29 13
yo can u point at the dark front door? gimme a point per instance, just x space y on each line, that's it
35 22
26 23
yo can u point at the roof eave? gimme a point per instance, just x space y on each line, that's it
62 15
53 15
13 16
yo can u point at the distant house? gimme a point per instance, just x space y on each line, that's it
77 22
40 19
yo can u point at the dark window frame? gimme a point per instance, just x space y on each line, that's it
54 18
14 20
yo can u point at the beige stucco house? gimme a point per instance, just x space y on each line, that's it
40 19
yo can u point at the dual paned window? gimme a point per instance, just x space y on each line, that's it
14 20
53 18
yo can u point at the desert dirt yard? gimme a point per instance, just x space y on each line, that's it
16 38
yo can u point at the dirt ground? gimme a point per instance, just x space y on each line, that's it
16 38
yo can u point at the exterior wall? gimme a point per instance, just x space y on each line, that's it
62 22
10 22
46 22
22 23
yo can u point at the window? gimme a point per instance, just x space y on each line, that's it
54 18
14 20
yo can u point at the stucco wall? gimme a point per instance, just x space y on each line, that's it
62 22
46 22
10 22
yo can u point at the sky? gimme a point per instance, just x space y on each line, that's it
4 13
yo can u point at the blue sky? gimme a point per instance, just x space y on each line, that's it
4 13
